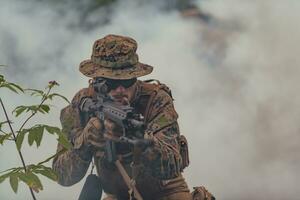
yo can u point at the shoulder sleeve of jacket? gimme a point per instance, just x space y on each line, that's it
164 157
70 116
161 112
71 165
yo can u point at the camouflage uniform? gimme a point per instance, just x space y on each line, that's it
158 175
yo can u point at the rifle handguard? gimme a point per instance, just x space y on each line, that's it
137 142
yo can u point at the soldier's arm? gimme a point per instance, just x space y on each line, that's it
71 166
164 157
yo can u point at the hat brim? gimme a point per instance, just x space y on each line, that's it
89 69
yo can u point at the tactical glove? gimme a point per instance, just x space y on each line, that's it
112 130
91 136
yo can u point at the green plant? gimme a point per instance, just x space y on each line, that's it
29 174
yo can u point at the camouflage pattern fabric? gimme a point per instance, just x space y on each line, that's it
73 164
160 173
114 57
201 193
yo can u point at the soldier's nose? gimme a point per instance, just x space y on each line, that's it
120 89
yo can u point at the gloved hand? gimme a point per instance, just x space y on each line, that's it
91 136
112 130
95 133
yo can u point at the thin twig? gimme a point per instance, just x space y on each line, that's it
15 139
53 156
33 113
11 139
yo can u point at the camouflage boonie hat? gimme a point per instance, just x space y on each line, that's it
114 57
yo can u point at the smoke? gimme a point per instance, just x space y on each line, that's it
234 80
253 105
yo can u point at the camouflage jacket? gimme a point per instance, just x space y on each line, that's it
161 162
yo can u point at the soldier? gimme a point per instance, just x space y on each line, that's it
159 174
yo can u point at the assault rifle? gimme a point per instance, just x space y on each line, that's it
104 107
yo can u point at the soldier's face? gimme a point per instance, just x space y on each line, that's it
123 94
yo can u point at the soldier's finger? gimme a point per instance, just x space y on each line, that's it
96 122
96 138
109 125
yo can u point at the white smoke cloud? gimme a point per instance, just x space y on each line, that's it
234 80
257 101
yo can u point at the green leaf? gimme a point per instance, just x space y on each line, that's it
24 177
2 79
14 182
3 177
1 124
59 95
35 134
14 169
48 172
8 86
20 138
39 137
18 110
32 108
22 108
61 137
31 180
31 167
52 130
31 138
4 137
45 108
17 87
41 110
11 86
64 141
36 183
35 92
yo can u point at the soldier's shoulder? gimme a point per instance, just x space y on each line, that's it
160 103
84 92
161 112
155 87
71 108
70 115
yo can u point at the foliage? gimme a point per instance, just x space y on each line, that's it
29 174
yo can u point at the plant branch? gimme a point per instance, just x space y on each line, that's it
53 156
15 139
33 113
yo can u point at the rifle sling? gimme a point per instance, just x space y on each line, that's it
127 180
